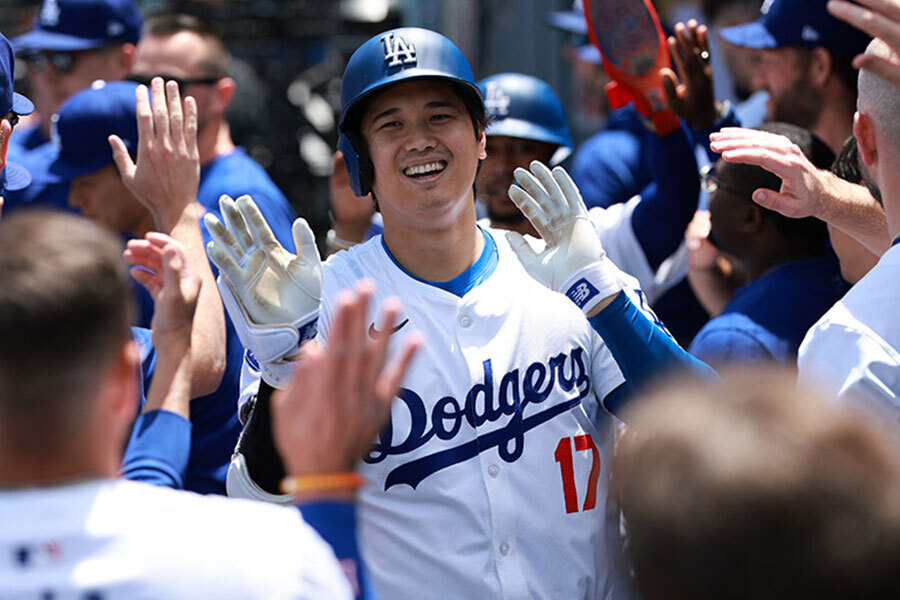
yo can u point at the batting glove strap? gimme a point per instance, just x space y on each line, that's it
271 342
592 284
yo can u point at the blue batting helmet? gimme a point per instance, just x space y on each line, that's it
389 58
523 106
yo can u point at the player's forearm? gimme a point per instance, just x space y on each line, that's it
171 386
712 287
642 350
208 334
853 210
661 217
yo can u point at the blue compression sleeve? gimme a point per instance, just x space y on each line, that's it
336 522
668 204
640 348
158 450
730 119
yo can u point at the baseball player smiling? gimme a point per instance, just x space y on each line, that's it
497 435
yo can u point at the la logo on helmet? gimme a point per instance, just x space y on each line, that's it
496 102
50 13
397 51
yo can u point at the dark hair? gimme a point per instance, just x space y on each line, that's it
216 65
846 165
808 230
65 309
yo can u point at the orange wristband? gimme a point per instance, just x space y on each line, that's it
299 484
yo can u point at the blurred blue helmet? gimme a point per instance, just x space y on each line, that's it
389 58
523 106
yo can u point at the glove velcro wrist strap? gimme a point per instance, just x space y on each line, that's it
268 342
592 284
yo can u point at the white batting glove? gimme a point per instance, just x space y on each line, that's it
271 295
573 262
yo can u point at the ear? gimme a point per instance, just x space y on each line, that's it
482 145
864 132
224 92
124 59
123 380
821 67
752 218
5 131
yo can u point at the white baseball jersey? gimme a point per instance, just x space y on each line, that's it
121 540
613 225
491 480
853 351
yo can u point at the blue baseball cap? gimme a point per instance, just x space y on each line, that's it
14 176
804 23
68 25
85 121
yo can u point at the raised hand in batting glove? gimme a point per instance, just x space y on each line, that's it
271 295
573 262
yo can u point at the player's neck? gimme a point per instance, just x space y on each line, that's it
438 254
22 469
214 140
835 125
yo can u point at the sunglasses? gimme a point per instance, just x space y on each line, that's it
182 82
61 61
710 184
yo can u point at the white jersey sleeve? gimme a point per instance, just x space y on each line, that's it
853 351
613 225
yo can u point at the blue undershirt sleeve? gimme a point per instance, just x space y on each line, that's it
668 204
158 450
641 349
335 521
730 119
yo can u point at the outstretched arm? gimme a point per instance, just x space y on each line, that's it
160 443
805 190
575 264
165 179
327 418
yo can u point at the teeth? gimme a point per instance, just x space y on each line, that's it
431 167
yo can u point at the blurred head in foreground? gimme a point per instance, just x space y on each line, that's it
755 489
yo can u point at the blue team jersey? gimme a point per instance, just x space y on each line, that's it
613 165
768 317
236 174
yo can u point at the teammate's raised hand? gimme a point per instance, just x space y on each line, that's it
573 261
341 394
878 18
167 172
693 98
271 294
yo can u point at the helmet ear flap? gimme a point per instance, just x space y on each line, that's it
359 165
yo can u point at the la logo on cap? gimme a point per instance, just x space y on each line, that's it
397 51
496 102
50 13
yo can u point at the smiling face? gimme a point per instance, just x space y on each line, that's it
425 154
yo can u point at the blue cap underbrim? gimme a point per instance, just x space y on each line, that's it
38 39
67 171
750 35
568 20
17 177
21 105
